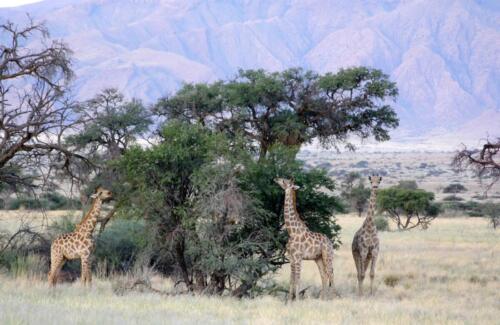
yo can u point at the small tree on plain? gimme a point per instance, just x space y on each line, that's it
408 208
355 192
454 188
408 184
492 211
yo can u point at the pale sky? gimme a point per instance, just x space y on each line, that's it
14 3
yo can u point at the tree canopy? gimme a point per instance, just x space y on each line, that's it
291 107
217 209
408 208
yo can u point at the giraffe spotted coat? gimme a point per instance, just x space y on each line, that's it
365 244
79 243
304 244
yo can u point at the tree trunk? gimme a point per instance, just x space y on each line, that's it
217 283
200 281
179 254
264 147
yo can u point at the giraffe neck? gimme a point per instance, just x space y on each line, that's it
87 225
369 223
293 224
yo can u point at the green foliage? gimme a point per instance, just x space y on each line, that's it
315 207
48 201
408 208
408 184
470 208
492 211
381 223
24 265
454 188
290 107
121 244
355 192
452 198
216 209
112 123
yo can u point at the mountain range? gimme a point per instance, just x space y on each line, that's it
444 55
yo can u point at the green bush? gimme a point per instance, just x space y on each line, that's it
57 201
48 201
190 186
120 244
381 223
408 208
31 266
454 188
27 203
473 208
453 198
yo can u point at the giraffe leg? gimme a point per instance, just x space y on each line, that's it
327 256
295 278
372 268
86 276
322 273
355 256
363 263
56 263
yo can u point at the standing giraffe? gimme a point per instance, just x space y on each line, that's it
79 243
365 244
304 244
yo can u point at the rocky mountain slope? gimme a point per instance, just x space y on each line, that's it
444 55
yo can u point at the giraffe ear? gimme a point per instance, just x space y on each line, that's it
296 187
93 196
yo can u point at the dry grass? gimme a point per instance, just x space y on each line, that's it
448 274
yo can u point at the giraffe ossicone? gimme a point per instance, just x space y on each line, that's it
365 244
79 243
304 244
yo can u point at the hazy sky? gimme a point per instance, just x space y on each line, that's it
13 3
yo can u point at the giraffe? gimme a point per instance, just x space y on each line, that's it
79 243
365 244
304 244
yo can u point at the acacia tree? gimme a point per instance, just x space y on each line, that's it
291 107
485 162
492 211
109 125
355 192
216 210
35 72
408 208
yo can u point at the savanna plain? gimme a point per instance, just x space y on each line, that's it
447 274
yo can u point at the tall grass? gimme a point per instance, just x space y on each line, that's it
448 274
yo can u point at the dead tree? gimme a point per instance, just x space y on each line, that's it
485 162
35 113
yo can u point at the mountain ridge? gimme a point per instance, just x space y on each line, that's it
443 55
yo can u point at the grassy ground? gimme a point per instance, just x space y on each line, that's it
449 274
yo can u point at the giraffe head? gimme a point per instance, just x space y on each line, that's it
102 194
375 180
286 184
